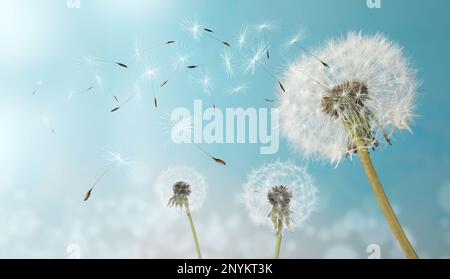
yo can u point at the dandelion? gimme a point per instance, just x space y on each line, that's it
39 84
185 188
295 41
264 27
207 84
227 63
215 159
255 60
92 61
113 159
353 107
237 90
150 74
242 38
210 32
280 195
194 28
47 122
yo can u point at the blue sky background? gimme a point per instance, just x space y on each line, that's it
44 175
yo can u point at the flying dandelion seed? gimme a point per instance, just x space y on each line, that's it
242 38
264 28
227 63
46 121
269 100
113 159
185 188
210 32
194 28
207 84
172 175
238 90
150 74
122 65
255 59
137 53
177 128
180 61
39 84
169 42
280 195
215 159
369 94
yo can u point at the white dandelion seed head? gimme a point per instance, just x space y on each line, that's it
371 62
255 58
168 178
263 179
238 89
194 28
137 89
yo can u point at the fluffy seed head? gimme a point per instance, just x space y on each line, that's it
368 92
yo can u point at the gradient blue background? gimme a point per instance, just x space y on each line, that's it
43 176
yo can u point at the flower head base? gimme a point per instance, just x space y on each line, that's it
181 192
280 197
177 184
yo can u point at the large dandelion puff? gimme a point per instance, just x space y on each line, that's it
185 188
366 94
280 195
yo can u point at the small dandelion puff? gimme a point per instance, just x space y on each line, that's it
237 90
227 63
354 107
280 195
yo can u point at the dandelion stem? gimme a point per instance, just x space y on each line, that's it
279 238
194 233
384 203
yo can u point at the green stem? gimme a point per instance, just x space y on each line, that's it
384 203
279 238
194 233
